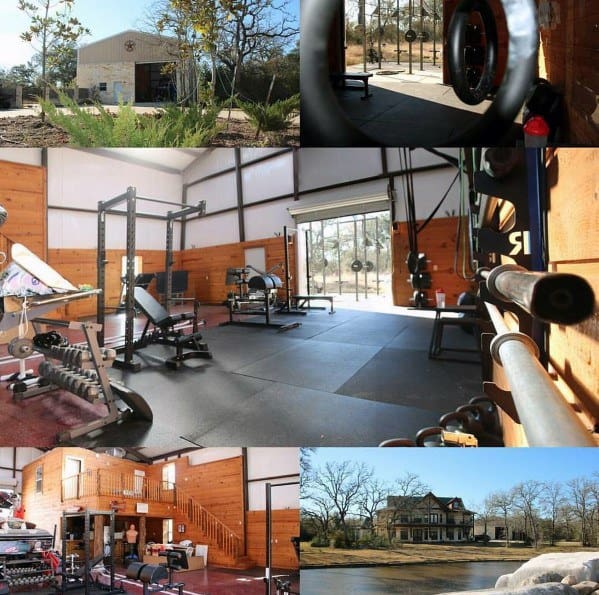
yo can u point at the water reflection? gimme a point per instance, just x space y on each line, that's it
411 579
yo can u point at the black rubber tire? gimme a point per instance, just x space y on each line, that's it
456 60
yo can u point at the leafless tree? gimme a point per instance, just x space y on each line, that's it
552 499
527 498
340 485
373 494
502 503
582 498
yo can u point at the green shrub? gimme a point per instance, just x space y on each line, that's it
319 541
172 127
274 117
374 542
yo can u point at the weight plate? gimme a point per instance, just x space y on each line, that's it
20 348
356 266
411 35
425 36
412 262
369 266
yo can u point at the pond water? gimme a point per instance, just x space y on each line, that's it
412 579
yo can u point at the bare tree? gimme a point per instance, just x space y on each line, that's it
340 484
502 503
582 499
552 498
527 498
484 511
372 495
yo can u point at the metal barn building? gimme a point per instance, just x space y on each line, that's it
129 65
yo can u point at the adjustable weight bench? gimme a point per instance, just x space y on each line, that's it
164 331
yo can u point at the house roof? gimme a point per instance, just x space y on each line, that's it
399 502
128 32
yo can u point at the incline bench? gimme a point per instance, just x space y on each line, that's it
353 76
165 333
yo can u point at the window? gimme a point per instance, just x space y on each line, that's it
432 518
404 518
403 534
167 531
102 87
433 535
450 534
168 476
39 479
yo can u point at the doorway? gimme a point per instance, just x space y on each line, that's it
349 256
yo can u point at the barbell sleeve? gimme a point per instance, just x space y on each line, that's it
561 298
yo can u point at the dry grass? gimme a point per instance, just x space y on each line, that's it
422 554
354 53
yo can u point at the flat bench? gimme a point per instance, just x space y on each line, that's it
353 76
302 302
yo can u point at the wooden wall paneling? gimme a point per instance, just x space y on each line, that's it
437 241
285 525
23 195
573 223
567 58
79 266
208 266
573 245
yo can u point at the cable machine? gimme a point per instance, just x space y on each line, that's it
130 199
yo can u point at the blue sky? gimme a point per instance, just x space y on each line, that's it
102 17
470 473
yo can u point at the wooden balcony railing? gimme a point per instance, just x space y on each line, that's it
215 531
101 482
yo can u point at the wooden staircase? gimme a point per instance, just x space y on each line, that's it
215 533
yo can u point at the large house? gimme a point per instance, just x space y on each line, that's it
427 518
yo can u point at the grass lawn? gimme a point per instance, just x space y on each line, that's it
418 553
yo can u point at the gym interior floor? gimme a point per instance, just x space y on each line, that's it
209 581
352 378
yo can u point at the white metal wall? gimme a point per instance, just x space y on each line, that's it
26 156
80 179
266 464
12 461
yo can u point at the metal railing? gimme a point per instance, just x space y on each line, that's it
215 531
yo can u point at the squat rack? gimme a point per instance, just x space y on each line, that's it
87 515
130 199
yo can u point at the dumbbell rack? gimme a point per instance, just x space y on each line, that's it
26 572
82 370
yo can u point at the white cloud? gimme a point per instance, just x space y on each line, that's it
14 50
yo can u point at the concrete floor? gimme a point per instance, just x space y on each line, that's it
354 378
411 109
